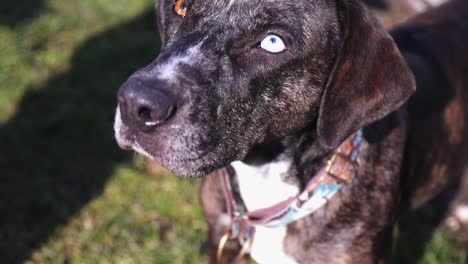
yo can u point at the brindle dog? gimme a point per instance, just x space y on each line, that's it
218 93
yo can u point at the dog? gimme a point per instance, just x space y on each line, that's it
318 127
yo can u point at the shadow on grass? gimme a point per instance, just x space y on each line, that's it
58 151
15 12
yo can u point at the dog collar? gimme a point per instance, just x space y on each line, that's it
339 171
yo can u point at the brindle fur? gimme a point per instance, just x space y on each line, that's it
343 72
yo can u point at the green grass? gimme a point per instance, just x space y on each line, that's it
137 219
67 193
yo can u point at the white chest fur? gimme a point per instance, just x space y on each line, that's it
264 186
260 187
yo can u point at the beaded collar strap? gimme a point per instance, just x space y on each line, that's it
339 171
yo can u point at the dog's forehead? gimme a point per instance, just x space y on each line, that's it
239 12
212 7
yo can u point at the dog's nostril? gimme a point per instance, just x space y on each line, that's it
147 117
144 113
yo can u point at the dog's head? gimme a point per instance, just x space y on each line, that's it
233 73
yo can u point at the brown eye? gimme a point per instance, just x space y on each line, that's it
181 7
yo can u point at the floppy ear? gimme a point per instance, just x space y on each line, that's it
370 78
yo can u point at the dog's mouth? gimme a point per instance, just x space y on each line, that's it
126 139
122 135
184 150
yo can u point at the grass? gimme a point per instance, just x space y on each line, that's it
136 219
67 193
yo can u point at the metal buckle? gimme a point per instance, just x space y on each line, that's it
331 163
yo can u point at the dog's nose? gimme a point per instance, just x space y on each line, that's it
144 105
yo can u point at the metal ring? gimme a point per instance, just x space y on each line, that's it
245 249
222 243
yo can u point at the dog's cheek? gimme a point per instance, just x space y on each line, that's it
294 115
289 104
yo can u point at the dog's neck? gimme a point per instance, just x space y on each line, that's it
275 171
292 171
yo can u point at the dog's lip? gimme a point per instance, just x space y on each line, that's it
124 142
125 146
141 147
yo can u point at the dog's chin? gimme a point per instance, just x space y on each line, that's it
189 170
178 162
123 142
183 166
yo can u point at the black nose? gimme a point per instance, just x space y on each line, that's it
144 105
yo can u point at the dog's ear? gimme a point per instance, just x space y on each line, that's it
369 80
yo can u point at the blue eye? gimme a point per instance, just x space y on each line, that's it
273 43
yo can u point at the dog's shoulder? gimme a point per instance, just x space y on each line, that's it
434 45
441 35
